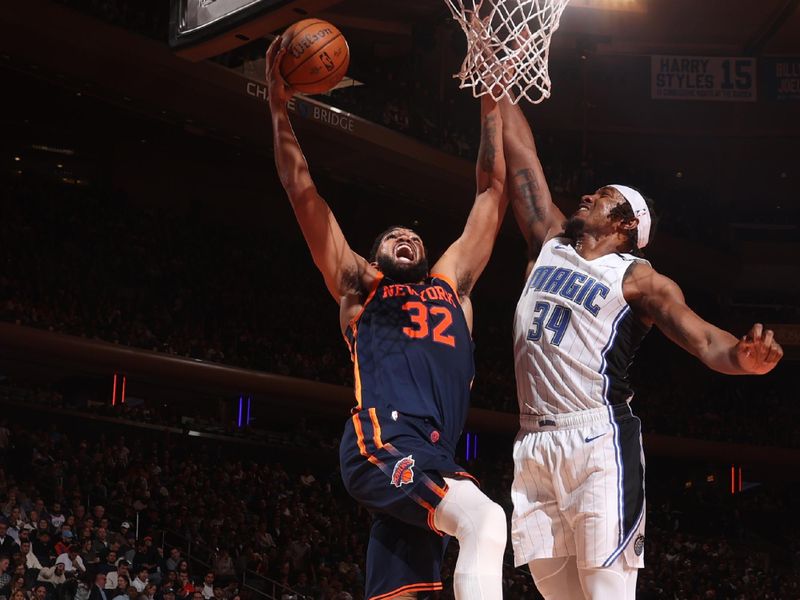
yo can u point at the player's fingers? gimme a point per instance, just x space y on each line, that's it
272 50
756 331
277 74
775 353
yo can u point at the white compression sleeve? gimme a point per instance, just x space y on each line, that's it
479 525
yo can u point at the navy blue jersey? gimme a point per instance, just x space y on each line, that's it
413 353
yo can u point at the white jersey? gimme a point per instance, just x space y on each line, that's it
574 333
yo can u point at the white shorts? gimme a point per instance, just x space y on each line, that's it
579 488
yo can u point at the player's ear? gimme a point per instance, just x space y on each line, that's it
630 224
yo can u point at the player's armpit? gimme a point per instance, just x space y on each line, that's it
466 258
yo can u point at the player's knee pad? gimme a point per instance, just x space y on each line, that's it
468 514
491 527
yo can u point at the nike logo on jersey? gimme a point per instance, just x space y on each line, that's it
591 439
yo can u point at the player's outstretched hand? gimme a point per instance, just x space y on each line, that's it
279 91
758 352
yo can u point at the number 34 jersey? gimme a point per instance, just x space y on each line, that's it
413 353
574 333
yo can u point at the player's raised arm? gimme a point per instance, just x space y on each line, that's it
344 271
466 258
537 216
662 301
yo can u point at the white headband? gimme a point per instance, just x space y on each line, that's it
640 211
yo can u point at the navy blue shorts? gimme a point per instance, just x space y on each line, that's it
394 465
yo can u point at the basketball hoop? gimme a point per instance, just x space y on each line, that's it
508 45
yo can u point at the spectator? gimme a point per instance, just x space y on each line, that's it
141 579
55 575
223 566
101 542
39 592
173 559
123 571
124 537
43 548
5 576
149 592
185 587
66 541
110 563
98 591
88 554
121 589
31 562
73 563
57 517
208 586
7 544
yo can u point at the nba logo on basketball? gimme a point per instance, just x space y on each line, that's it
403 471
326 61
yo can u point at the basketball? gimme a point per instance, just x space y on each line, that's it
316 56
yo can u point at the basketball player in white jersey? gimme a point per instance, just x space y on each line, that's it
578 491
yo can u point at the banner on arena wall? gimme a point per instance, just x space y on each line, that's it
715 78
781 78
309 108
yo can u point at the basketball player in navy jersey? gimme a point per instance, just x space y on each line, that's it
408 331
588 301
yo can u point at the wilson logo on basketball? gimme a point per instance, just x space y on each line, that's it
307 41
403 472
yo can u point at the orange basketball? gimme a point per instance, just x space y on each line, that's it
316 56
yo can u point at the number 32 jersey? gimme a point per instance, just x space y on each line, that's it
574 334
413 353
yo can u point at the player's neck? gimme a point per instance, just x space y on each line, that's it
590 247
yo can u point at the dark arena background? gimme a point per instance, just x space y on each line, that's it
173 382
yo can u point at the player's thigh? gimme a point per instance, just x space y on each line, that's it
557 578
538 528
615 582
607 507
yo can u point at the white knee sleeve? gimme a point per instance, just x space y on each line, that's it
479 525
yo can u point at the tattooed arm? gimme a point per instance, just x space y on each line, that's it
537 216
465 259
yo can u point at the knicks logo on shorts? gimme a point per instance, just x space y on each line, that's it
403 471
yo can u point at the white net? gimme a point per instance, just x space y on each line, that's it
508 46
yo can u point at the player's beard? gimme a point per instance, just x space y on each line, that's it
402 273
573 228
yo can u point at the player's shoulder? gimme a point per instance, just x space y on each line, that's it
443 278
641 281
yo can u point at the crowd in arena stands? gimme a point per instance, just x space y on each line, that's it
444 116
123 517
146 17
86 263
113 514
